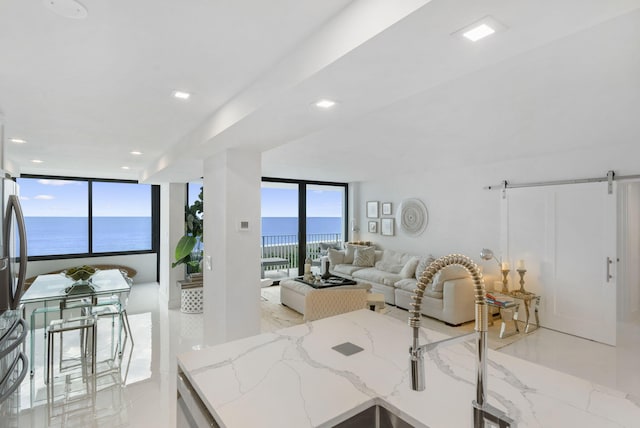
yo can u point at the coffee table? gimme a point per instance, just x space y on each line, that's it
315 303
332 281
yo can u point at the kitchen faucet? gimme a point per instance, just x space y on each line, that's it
484 415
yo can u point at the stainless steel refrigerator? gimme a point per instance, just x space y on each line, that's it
13 330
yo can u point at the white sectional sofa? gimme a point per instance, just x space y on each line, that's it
449 298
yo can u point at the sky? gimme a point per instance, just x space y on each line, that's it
283 202
68 198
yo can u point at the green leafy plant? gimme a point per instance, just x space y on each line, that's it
193 236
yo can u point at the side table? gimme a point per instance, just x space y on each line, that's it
508 312
529 299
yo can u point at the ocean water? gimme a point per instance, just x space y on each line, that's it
275 226
69 235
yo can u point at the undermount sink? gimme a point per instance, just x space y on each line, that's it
375 416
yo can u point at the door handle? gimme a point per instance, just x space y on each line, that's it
609 262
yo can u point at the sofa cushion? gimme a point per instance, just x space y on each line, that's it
423 264
394 258
446 274
336 257
393 261
325 246
378 276
409 269
407 284
410 285
346 269
364 256
350 252
388 267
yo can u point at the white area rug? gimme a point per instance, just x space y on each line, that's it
276 316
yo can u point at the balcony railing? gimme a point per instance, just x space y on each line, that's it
286 247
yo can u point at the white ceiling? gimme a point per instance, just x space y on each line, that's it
84 93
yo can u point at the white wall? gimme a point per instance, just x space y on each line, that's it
629 295
144 264
464 217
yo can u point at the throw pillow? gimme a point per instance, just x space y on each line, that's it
447 274
423 265
409 269
364 256
350 252
336 257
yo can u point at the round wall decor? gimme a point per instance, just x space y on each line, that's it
412 216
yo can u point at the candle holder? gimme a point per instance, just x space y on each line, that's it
505 281
521 272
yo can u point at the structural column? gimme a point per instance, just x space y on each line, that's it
172 200
232 245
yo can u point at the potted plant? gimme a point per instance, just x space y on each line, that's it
189 247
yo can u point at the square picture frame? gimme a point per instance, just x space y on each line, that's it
373 227
372 209
386 208
386 227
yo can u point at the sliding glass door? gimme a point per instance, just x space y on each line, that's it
325 215
321 205
280 224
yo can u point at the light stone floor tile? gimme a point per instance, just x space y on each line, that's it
143 392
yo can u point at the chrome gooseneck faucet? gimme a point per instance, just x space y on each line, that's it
482 411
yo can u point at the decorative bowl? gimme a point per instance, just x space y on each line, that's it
80 273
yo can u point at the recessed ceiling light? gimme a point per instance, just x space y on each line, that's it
36 161
324 104
480 29
479 32
181 95
136 153
17 140
124 167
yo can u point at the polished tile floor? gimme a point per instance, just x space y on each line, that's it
142 392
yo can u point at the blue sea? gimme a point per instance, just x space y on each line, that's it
274 226
69 235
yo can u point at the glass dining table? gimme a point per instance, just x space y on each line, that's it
52 292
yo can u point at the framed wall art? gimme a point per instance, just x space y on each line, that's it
386 208
372 209
386 227
373 227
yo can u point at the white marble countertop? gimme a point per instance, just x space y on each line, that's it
292 378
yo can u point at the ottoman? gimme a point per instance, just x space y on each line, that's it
316 303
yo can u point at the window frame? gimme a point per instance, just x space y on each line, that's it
302 209
155 219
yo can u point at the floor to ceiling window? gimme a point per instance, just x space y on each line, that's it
72 217
325 218
321 205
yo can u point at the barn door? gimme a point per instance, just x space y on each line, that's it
567 236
